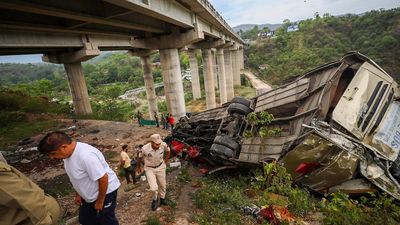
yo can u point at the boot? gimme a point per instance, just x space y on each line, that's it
154 205
163 201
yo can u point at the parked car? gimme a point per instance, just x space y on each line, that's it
339 129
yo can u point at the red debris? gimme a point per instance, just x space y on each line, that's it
203 170
177 146
193 152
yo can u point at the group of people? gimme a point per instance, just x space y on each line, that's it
167 120
95 183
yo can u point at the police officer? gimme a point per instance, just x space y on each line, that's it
155 168
23 202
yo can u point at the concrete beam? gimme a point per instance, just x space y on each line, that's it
208 44
169 11
51 11
210 23
89 51
169 41
18 26
141 52
15 41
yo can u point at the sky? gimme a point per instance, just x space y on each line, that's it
237 12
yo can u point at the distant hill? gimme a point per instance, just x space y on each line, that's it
246 27
324 39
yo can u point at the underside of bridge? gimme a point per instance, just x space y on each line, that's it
69 32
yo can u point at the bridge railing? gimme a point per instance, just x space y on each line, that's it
208 5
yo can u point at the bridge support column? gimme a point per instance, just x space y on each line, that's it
77 85
215 67
194 69
228 75
235 68
209 78
241 58
76 80
149 84
173 87
221 75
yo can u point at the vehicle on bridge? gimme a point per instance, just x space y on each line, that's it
334 128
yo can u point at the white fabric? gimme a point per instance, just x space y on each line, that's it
84 167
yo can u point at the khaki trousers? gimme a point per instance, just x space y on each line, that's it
157 180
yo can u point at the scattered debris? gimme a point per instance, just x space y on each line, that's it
273 214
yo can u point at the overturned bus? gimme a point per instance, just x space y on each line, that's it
339 129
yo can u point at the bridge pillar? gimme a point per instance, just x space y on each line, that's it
215 67
77 86
149 84
76 80
209 78
221 75
241 58
194 69
228 75
235 68
173 87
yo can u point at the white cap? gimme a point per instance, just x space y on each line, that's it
156 138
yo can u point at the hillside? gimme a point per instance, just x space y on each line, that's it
247 27
324 39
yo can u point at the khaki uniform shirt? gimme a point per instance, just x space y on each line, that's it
21 200
125 157
153 158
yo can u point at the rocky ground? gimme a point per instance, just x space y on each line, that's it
133 205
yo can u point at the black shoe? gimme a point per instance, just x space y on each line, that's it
154 205
163 201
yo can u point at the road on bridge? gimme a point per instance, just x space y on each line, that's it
259 85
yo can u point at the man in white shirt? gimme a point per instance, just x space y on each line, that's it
95 183
155 168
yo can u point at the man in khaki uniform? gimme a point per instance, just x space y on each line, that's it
155 168
23 202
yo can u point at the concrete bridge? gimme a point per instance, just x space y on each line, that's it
69 32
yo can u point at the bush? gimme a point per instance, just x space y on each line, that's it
7 118
219 201
275 179
10 101
153 220
34 105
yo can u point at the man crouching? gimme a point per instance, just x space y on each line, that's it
93 180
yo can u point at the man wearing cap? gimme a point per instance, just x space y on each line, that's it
155 168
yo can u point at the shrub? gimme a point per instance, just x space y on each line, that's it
10 101
7 118
219 200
